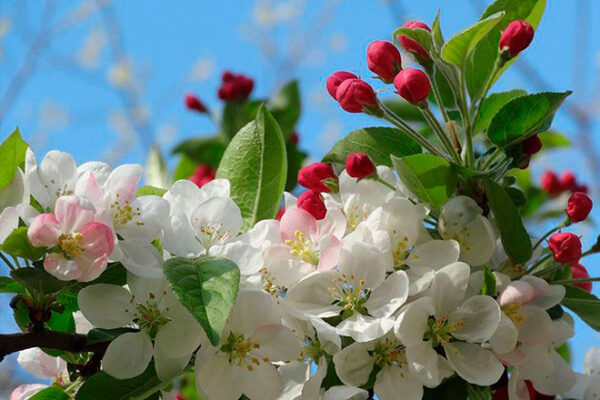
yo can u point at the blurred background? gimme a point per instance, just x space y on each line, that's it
105 80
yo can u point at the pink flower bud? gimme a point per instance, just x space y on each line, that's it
551 184
578 271
313 175
410 45
202 175
579 206
383 58
313 203
566 247
413 85
516 37
235 87
335 80
355 96
193 103
525 162
358 165
531 145
580 188
568 180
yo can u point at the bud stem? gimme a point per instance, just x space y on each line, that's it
488 85
550 232
436 93
596 279
437 128
6 261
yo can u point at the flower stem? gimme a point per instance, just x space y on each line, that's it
436 94
437 128
7 261
550 232
488 85
582 280
384 183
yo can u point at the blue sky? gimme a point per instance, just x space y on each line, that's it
75 109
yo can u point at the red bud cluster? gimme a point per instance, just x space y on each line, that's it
235 87
192 102
553 185
410 45
566 247
312 202
313 175
358 165
202 175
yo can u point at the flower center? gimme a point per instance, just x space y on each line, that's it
512 311
400 250
311 350
269 284
239 351
301 247
149 316
210 233
354 216
71 244
440 330
350 297
124 213
458 233
389 352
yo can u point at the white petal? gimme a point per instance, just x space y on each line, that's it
276 342
178 338
312 387
220 214
9 221
41 364
122 182
168 367
505 338
364 328
389 296
559 381
479 317
353 364
391 381
360 262
473 363
106 306
536 328
311 296
480 241
144 289
345 393
293 374
423 362
593 390
554 296
448 288
248 258
591 365
434 254
399 218
263 382
142 259
154 212
252 309
128 355
412 323
216 378
420 279
216 188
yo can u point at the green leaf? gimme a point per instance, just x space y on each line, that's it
102 386
150 191
524 116
518 198
444 88
8 285
255 164
37 280
553 140
17 244
295 159
515 238
489 282
429 177
207 287
451 389
404 110
421 36
50 393
12 154
285 107
459 47
491 105
202 150
98 335
157 173
480 63
478 392
584 304
184 169
436 32
379 143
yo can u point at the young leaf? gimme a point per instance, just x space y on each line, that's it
17 244
421 36
202 150
584 304
255 164
295 159
285 107
491 105
37 280
185 168
436 32
515 238
207 287
50 393
8 285
12 154
102 386
489 282
378 143
429 177
553 139
157 173
149 191
524 116
478 392
403 109
457 48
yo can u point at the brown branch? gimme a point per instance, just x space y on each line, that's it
71 342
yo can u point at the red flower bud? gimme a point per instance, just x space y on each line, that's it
335 80
312 176
516 37
531 145
410 45
525 162
235 87
551 184
566 247
280 213
383 58
312 202
580 188
413 85
355 96
579 206
193 103
578 271
568 180
501 393
358 165
202 175
294 138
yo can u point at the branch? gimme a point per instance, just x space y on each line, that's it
71 342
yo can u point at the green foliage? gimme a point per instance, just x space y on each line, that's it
524 116
157 173
203 150
37 280
102 386
379 143
17 244
584 304
285 107
489 282
553 140
8 285
460 46
207 287
436 32
429 177
50 393
255 164
184 169
478 392
452 389
295 159
99 335
421 36
12 155
515 238
403 109
491 105
149 191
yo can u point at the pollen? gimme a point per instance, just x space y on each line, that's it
71 244
301 247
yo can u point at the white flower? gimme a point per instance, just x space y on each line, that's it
359 289
25 392
241 364
41 364
587 386
461 219
458 325
149 306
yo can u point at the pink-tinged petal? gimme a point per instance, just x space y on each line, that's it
44 231
87 186
330 250
73 213
515 357
63 269
97 240
516 292
90 267
24 392
297 219
122 183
